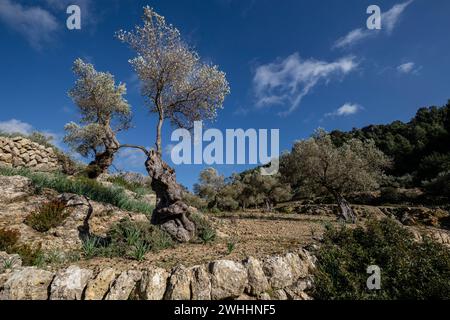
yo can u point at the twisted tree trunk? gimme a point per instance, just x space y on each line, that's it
171 213
104 160
346 211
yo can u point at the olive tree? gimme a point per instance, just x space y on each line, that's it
104 112
178 87
209 185
316 164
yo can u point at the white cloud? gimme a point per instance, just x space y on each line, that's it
408 67
345 110
37 25
286 82
130 158
15 126
391 17
18 126
352 37
389 20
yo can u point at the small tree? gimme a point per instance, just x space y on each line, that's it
319 166
104 112
209 185
179 87
176 84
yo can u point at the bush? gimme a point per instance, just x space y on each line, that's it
49 215
128 239
82 186
205 232
409 270
8 239
9 243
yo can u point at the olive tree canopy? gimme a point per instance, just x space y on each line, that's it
103 111
175 83
319 166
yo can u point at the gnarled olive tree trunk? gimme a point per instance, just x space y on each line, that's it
104 160
346 211
171 213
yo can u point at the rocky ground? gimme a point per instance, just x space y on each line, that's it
270 257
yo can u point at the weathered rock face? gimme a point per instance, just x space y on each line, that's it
153 284
228 279
280 277
124 285
27 284
14 189
98 287
179 284
69 284
257 281
18 200
20 152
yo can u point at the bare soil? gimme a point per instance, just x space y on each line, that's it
253 234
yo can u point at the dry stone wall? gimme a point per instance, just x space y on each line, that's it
279 277
19 152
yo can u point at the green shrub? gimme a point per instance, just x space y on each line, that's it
205 232
81 186
31 256
128 239
49 215
231 245
409 270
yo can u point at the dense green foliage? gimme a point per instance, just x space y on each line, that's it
420 148
82 186
409 270
248 189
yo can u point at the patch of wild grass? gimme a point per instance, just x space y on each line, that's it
9 243
81 186
205 232
138 188
49 215
128 239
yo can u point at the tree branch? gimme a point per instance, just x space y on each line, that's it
143 149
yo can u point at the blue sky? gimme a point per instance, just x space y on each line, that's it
294 65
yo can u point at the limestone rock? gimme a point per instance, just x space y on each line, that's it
69 284
278 272
201 283
98 287
14 188
257 281
179 284
153 284
228 279
27 284
124 285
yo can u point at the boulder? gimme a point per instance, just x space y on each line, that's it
27 284
98 287
201 283
228 279
14 188
278 271
69 284
179 284
153 284
257 281
124 285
